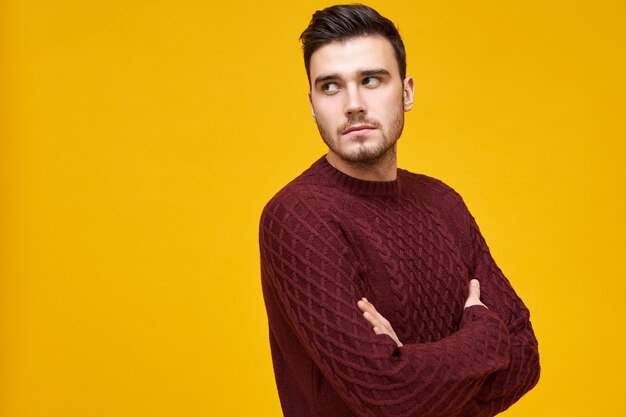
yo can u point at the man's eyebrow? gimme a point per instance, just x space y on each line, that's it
364 73
324 78
378 71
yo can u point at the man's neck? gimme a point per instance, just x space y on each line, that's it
384 168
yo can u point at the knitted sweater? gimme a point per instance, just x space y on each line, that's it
411 247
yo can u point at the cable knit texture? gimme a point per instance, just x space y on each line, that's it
411 247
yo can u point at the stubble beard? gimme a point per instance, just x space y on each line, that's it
364 154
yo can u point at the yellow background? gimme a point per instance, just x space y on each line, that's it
141 139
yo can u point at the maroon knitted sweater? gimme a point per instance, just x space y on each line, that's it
411 247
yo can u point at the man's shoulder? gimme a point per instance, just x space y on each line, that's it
430 189
304 194
301 189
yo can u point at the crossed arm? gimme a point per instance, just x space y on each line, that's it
496 394
381 325
492 398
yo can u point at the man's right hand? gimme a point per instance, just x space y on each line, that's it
473 299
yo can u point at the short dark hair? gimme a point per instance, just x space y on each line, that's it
345 21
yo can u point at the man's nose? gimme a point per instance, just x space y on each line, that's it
354 102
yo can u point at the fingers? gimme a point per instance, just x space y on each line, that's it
379 324
473 297
372 315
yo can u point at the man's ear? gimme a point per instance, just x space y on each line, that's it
408 93
311 104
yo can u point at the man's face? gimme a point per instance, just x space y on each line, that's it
358 99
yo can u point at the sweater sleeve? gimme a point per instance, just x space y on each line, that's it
505 386
311 272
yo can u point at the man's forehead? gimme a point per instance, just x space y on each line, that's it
353 55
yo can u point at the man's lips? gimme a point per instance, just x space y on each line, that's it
359 129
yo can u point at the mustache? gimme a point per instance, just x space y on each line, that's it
357 120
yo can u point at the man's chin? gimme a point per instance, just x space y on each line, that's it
362 155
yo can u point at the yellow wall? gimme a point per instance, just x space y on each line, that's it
141 139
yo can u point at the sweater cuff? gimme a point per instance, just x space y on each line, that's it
477 313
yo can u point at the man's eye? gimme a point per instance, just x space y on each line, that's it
330 87
371 82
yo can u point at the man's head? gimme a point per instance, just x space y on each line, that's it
342 22
359 92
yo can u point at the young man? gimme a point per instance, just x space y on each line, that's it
373 276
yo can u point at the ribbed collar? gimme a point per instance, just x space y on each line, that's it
338 179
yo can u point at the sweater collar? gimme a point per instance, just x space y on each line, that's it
336 178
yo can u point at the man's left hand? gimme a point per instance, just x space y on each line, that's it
380 324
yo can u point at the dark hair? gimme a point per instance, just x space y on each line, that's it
342 22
